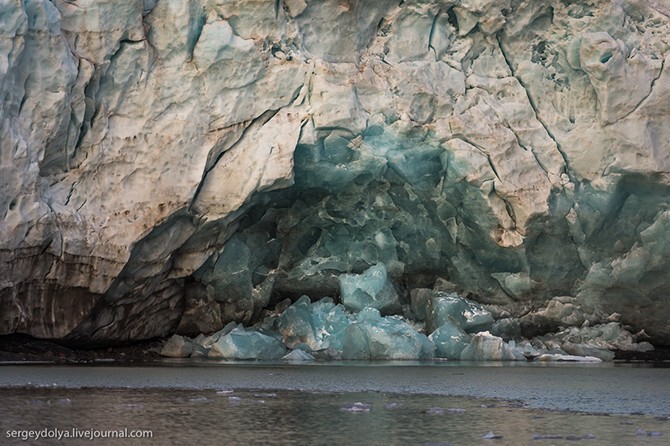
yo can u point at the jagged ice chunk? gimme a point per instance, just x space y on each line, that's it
248 343
372 289
449 340
468 314
375 337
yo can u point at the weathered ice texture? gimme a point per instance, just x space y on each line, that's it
372 289
176 165
324 330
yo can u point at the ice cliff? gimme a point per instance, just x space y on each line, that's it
177 165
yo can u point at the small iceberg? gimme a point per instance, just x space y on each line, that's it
450 340
443 307
486 347
298 356
375 337
567 358
177 347
319 325
243 343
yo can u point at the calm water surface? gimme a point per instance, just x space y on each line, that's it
408 404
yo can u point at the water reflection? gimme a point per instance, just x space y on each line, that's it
225 417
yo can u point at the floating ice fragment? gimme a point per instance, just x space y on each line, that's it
492 436
643 433
392 406
133 406
225 392
234 400
568 358
434 411
356 407
372 288
200 399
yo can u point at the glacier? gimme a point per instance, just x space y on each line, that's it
323 330
169 168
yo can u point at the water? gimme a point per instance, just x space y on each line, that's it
411 403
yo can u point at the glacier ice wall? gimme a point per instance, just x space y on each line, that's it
179 164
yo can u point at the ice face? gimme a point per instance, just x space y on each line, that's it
372 336
246 343
372 289
308 164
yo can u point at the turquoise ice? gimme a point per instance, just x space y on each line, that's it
372 289
442 306
246 343
450 340
372 336
313 326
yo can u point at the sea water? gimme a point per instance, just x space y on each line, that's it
338 403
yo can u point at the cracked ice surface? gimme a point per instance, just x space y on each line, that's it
180 165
